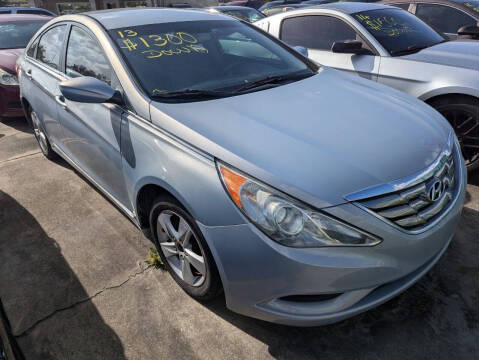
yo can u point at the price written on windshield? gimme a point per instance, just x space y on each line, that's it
157 45
384 24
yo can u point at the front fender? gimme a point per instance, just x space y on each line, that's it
447 90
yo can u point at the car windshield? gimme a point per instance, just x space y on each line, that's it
246 14
398 31
17 34
220 57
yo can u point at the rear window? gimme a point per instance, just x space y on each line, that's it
16 35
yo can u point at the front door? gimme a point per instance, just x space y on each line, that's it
92 132
318 33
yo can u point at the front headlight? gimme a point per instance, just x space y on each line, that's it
7 78
286 220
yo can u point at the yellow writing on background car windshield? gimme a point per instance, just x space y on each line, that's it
472 6
384 24
157 45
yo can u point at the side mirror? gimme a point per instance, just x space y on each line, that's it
87 89
469 30
302 50
347 47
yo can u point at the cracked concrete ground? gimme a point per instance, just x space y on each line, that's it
74 285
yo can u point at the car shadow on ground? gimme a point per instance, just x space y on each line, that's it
45 283
20 124
437 318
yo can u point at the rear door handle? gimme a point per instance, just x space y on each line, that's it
60 99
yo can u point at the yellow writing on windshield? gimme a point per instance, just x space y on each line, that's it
174 43
472 6
388 25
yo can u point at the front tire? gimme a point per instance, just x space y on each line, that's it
183 249
462 112
41 135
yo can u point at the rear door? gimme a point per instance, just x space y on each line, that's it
92 131
318 33
42 75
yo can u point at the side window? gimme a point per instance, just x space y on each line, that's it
443 18
4 12
404 6
85 57
32 48
50 46
316 31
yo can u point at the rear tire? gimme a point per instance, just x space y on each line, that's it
183 249
462 112
40 135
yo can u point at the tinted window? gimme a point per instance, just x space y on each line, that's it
4 12
316 31
17 34
397 30
50 46
404 6
203 55
37 12
443 18
85 57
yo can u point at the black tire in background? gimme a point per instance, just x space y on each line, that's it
462 112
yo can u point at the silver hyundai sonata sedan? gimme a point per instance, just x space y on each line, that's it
305 194
393 47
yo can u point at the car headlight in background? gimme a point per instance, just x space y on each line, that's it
286 220
7 78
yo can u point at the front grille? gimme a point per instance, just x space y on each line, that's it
416 206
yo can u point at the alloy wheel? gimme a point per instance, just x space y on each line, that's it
39 133
466 126
181 248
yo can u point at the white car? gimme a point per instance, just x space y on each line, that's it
391 46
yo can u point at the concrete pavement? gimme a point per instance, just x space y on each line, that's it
74 285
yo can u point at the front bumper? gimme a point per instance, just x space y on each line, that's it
10 105
260 276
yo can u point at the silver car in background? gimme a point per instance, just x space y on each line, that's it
393 47
305 194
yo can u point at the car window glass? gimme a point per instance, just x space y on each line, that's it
404 6
32 48
17 34
316 32
5 12
240 45
443 18
85 57
50 46
220 55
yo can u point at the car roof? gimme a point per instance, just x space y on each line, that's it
117 18
351 7
23 17
231 7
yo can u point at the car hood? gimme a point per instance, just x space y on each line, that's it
318 139
8 59
460 53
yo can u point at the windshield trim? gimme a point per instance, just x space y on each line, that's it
311 65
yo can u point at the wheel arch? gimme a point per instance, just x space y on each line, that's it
148 189
449 91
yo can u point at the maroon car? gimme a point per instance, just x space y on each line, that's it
16 31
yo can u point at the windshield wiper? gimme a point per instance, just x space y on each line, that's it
277 79
410 50
192 94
